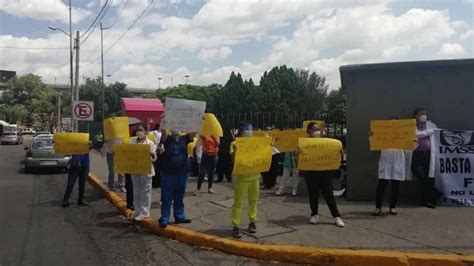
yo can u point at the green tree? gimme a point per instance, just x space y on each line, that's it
336 106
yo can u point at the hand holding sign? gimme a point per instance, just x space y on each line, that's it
71 143
393 134
319 154
252 155
183 115
116 127
132 158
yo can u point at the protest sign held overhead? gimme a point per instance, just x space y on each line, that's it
393 134
71 143
319 154
132 158
211 126
252 155
183 115
116 128
288 140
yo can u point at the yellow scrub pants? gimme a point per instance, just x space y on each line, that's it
245 188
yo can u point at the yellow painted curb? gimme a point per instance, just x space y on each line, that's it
286 253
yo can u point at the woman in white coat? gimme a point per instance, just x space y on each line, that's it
142 183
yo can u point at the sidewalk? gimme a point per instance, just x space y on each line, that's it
284 220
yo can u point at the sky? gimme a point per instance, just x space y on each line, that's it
207 40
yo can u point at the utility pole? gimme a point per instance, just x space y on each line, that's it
159 81
76 86
171 81
102 66
70 62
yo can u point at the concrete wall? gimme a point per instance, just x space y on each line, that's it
377 91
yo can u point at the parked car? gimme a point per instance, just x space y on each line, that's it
11 138
28 131
41 133
40 154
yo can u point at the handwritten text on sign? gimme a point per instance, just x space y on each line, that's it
319 154
71 143
183 115
253 155
116 127
132 158
393 134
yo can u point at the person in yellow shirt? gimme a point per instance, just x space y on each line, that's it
245 186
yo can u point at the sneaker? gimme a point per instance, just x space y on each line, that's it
314 219
338 221
293 193
278 192
185 221
252 228
236 232
163 225
205 178
431 206
65 204
393 211
124 190
139 218
211 191
197 192
377 212
82 203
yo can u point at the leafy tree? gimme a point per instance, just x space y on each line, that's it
336 106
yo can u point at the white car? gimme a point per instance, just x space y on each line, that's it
11 138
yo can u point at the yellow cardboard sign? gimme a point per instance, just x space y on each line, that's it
211 126
288 140
132 158
71 143
393 134
321 125
116 128
252 155
191 147
260 133
319 154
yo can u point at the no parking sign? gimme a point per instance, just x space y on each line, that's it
83 111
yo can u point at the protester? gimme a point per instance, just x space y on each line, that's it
156 181
142 182
224 162
78 167
423 158
391 170
289 168
174 175
210 149
270 177
245 186
320 182
107 151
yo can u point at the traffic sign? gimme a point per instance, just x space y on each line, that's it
83 111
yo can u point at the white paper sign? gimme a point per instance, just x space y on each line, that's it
183 115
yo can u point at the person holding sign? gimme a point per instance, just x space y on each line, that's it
142 182
210 149
320 181
423 160
245 186
174 175
78 168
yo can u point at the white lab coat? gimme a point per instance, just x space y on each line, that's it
430 128
392 165
142 186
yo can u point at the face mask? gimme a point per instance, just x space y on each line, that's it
247 133
423 118
140 134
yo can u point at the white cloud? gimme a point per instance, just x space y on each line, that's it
51 10
451 50
215 53
468 34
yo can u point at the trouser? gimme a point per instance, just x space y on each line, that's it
320 181
157 177
110 164
245 189
382 184
72 176
420 166
286 179
129 187
173 187
269 178
208 166
141 195
224 167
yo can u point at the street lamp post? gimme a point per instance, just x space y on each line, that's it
159 82
187 77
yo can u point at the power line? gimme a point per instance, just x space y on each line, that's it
107 7
95 20
33 48
113 23
128 29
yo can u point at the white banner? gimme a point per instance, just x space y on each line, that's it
183 115
454 162
83 111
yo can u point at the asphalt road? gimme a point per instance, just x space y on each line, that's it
35 230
